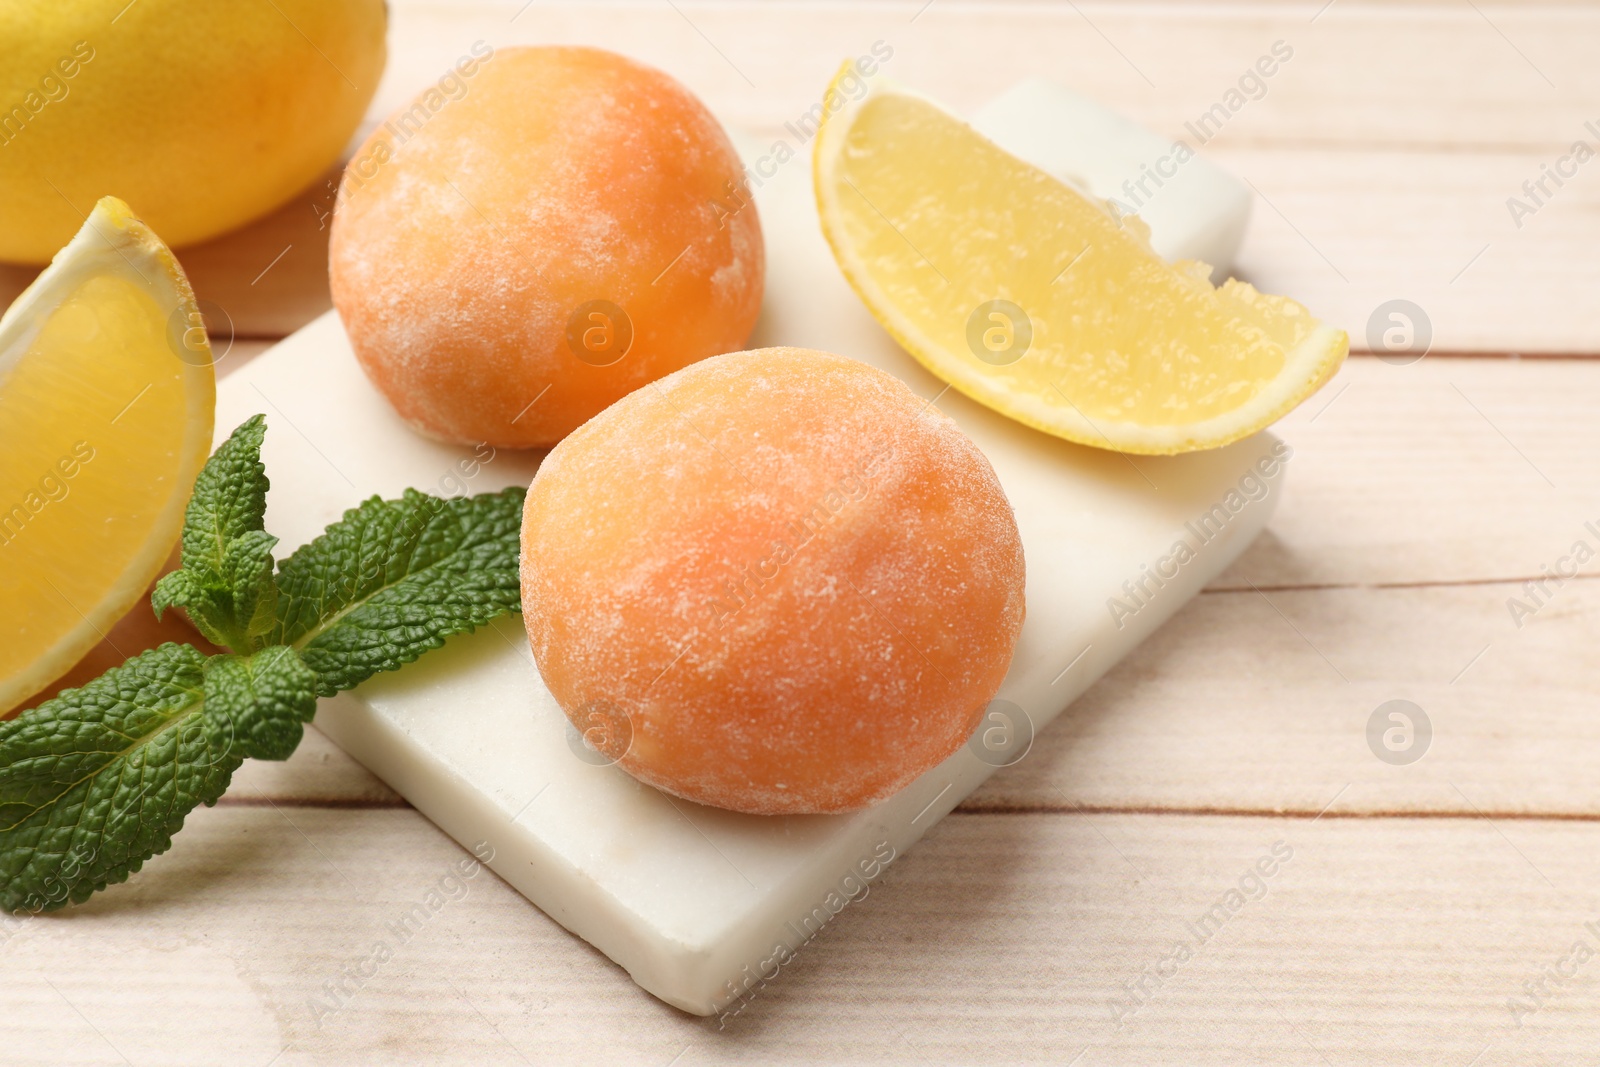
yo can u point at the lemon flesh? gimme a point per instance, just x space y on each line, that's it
1040 302
106 402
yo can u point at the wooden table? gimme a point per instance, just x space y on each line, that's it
1439 912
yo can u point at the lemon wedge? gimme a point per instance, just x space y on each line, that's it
1040 302
106 401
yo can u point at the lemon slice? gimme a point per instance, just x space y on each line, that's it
1040 302
106 402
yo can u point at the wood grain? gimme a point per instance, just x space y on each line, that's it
1445 470
1379 180
1001 939
1442 75
1345 232
1259 702
1421 900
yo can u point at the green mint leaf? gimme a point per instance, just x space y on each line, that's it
230 498
97 780
175 590
262 700
226 579
247 571
394 578
232 608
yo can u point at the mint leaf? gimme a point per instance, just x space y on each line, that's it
225 583
263 699
189 590
230 497
247 576
178 589
394 578
97 780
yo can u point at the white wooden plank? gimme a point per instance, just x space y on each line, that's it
1445 470
1003 939
319 773
1260 701
1345 232
1399 75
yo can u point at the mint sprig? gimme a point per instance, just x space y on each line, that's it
394 578
96 781
225 583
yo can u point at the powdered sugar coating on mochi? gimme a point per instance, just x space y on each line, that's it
793 584
558 177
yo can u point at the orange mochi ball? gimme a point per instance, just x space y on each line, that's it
776 582
541 233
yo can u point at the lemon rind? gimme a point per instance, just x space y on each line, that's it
1307 366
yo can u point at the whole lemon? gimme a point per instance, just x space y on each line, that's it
200 115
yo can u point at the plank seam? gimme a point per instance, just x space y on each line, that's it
261 800
1308 814
1442 583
